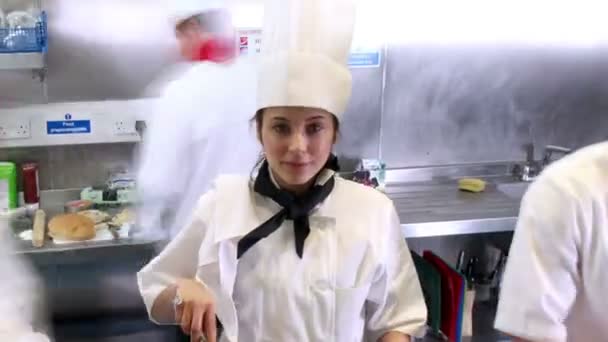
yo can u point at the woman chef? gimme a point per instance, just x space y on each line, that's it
298 254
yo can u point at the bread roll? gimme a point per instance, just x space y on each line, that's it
38 231
71 227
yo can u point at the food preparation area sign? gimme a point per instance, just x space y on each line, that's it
364 59
68 126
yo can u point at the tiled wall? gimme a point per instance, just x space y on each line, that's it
64 167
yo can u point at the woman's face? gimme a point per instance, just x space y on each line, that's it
297 142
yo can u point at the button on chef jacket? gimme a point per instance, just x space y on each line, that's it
354 282
555 286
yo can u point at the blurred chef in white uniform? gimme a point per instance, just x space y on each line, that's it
556 281
20 295
201 127
297 253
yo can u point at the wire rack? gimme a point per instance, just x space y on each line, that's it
25 39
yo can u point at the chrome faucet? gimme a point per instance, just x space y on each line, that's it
531 168
528 171
550 149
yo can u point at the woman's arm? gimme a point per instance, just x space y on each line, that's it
162 309
178 261
196 313
395 304
395 337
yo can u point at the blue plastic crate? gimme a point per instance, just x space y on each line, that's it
24 40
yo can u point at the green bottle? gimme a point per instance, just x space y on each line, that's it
8 185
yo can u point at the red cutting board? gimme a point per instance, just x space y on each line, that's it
451 296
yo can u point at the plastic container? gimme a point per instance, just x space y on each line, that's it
31 183
76 206
3 22
8 186
25 39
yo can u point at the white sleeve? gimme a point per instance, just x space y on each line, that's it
539 285
21 292
395 302
24 337
162 173
180 258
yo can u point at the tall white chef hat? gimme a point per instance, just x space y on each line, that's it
180 10
303 60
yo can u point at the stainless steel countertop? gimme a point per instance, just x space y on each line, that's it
79 252
49 246
88 252
427 206
439 208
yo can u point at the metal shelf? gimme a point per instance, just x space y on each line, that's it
74 123
428 207
22 61
29 47
462 227
29 54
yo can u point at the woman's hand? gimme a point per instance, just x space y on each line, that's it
196 312
394 337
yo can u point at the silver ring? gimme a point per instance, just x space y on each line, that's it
177 300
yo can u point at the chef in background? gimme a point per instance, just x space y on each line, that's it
556 280
20 295
201 126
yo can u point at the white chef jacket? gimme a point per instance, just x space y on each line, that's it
356 279
555 286
200 130
20 294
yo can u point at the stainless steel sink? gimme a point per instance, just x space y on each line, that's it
513 190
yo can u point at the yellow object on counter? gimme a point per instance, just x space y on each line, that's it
471 185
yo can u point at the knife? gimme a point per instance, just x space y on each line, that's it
460 262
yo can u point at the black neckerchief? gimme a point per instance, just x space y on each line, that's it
295 208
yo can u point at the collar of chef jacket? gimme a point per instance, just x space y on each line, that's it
216 50
234 195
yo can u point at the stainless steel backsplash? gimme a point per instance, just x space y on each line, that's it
64 167
461 104
426 105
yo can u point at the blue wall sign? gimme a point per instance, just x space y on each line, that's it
68 126
368 59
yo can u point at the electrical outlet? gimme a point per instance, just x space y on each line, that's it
14 129
124 127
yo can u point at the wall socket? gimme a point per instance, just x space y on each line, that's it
15 129
124 127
